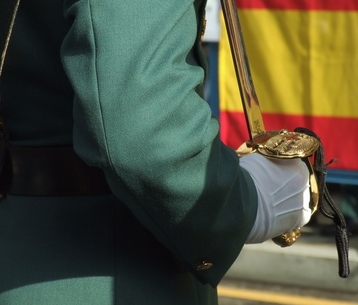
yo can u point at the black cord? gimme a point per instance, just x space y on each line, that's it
328 208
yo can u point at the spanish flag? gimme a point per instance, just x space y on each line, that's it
303 57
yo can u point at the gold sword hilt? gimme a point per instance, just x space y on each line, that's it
271 144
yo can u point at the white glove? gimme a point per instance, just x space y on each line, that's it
283 195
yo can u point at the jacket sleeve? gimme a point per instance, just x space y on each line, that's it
135 69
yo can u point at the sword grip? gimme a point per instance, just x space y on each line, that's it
287 145
289 238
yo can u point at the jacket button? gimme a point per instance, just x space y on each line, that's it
204 266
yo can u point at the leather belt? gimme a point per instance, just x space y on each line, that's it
51 171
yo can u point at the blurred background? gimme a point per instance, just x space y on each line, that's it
304 61
303 56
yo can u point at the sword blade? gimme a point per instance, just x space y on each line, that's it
250 102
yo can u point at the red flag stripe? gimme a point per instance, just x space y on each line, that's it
336 134
326 5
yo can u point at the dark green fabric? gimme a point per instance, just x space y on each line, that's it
33 78
86 250
136 70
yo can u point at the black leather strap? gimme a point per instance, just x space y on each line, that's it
8 14
51 171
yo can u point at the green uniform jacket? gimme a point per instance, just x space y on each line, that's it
121 81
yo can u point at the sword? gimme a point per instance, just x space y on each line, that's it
10 8
271 144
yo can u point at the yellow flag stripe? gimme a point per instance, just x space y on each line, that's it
303 62
275 297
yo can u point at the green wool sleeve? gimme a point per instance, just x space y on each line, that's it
136 69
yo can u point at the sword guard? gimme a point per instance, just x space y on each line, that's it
256 143
281 144
287 239
290 144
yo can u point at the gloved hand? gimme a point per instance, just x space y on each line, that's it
283 195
